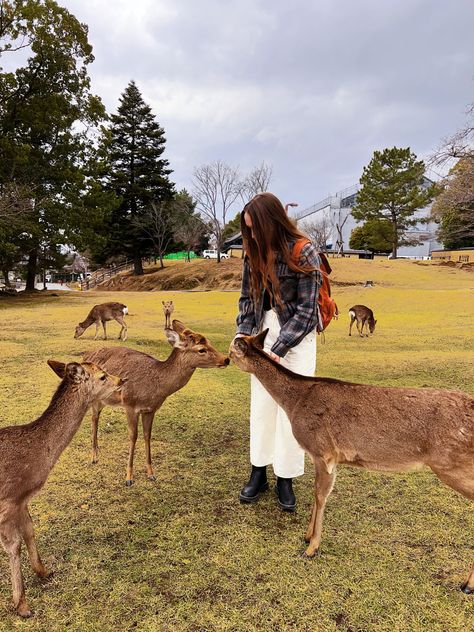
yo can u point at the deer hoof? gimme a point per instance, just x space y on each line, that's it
24 611
128 483
467 590
152 478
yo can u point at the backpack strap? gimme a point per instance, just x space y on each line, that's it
298 247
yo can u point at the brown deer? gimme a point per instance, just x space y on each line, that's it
101 314
28 454
150 382
363 316
168 309
374 427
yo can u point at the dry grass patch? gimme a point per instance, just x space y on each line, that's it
182 553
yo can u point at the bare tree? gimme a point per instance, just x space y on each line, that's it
189 229
257 181
216 188
157 225
319 231
15 202
454 206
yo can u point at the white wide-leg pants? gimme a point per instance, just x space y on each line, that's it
271 437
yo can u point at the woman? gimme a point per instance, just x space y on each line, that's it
279 292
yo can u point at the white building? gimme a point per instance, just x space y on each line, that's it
337 211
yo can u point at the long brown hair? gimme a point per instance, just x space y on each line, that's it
269 235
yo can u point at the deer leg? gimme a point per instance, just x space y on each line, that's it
132 418
96 410
147 423
350 325
28 534
96 329
123 331
11 541
323 485
105 331
460 479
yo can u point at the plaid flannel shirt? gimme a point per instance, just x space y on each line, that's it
298 315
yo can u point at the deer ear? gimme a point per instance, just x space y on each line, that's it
58 367
240 347
76 372
174 338
260 339
178 326
162 302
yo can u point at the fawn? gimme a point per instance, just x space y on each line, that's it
101 314
363 316
374 427
150 382
168 309
28 454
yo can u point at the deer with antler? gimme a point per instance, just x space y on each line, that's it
150 382
28 453
374 427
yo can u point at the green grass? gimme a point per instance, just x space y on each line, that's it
182 553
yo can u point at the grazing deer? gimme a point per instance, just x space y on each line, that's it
101 314
363 317
28 454
374 427
168 309
150 382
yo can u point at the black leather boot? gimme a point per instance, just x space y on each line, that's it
257 483
284 491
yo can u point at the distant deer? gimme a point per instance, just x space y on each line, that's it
168 309
150 382
373 427
101 314
364 317
28 454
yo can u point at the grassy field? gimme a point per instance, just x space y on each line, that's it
182 553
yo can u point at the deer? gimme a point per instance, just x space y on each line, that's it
168 309
101 314
363 316
28 453
373 427
149 383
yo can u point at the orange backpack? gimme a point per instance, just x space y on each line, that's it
326 305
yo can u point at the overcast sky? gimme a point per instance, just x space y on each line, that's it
311 86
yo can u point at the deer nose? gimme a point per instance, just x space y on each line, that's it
227 362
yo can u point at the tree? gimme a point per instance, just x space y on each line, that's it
216 188
139 175
156 224
232 227
319 231
189 229
392 188
257 181
46 113
454 205
375 235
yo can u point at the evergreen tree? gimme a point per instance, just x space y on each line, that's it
139 175
42 148
393 189
375 235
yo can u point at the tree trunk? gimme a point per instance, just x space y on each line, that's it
395 239
137 266
162 265
31 270
5 276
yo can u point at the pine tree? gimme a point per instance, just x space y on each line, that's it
138 174
392 188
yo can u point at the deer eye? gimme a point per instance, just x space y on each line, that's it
104 377
202 350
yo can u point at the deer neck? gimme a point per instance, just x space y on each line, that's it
175 371
61 420
281 385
